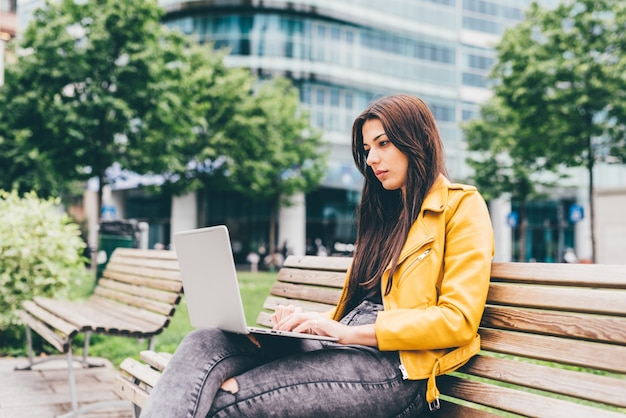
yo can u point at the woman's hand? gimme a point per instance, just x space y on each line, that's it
281 312
291 318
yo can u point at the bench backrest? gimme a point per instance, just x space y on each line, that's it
143 284
553 336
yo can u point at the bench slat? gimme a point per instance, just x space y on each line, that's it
517 401
60 343
170 283
591 275
151 320
310 277
151 305
145 265
62 326
551 379
130 391
140 371
575 299
137 253
572 325
67 311
143 291
294 291
86 317
560 350
156 360
318 263
449 409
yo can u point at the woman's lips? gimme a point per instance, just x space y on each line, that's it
380 174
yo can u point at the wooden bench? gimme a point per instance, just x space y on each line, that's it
136 297
553 340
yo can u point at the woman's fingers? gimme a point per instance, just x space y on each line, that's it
309 326
281 312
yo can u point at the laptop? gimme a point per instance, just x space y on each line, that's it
207 268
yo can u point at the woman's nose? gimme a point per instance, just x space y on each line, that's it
372 157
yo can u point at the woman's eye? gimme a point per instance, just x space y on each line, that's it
383 142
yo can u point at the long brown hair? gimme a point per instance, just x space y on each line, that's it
385 216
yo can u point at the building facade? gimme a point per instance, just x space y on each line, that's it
342 55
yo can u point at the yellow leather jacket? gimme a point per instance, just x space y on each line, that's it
440 285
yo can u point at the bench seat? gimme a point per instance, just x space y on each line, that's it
136 297
553 340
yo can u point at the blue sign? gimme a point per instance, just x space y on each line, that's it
576 213
512 219
108 212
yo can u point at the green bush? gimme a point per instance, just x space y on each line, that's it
40 252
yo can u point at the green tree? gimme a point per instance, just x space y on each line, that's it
500 168
96 83
264 148
279 154
559 84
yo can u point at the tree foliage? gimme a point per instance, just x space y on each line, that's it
40 248
559 95
96 83
280 153
285 154
103 82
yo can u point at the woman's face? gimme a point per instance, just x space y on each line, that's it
389 164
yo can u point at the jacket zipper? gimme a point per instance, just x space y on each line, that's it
418 259
405 374
423 255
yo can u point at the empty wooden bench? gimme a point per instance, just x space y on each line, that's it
136 297
553 340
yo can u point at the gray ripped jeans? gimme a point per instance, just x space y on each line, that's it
286 377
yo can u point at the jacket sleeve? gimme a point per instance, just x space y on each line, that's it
462 283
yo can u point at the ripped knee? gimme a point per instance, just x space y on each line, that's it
230 385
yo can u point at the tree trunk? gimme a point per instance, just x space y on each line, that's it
274 206
99 209
523 229
590 165
99 202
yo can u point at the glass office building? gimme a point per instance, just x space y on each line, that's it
343 54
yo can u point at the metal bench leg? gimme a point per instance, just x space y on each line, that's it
31 356
72 379
86 346
84 360
29 348
151 343
91 407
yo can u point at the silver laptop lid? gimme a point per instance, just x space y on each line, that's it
209 277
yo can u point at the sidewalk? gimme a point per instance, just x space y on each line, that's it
44 392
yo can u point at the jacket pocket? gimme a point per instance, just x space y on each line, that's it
414 264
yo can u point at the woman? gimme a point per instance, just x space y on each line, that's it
409 310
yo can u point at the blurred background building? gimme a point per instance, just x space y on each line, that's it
341 55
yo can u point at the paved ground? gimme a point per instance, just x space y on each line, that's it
44 392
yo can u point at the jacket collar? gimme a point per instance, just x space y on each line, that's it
437 196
